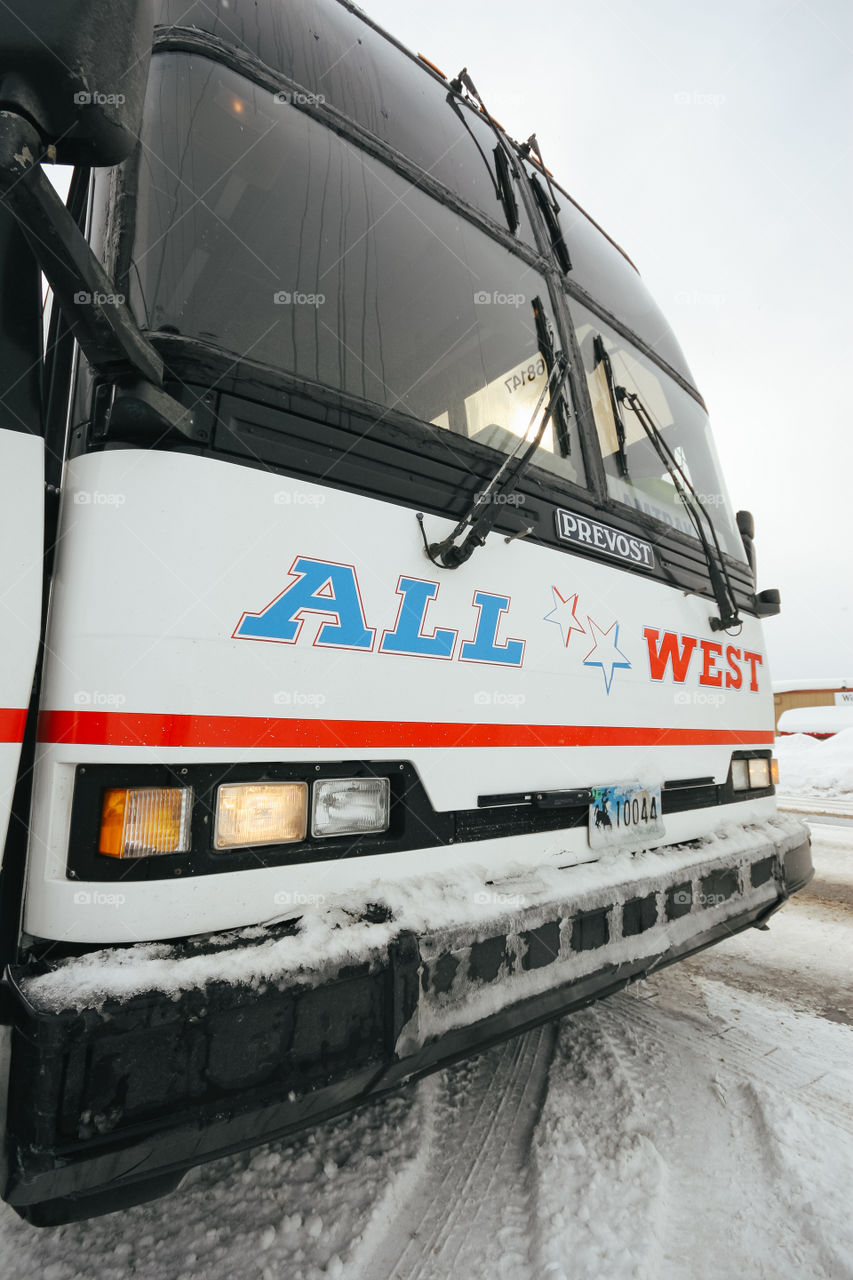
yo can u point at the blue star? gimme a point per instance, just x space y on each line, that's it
609 655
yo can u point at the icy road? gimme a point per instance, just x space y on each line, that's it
698 1125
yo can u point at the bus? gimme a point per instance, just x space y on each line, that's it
384 670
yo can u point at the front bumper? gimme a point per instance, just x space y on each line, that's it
130 1065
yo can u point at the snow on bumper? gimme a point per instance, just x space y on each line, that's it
615 917
130 1064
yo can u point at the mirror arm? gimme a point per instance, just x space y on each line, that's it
102 323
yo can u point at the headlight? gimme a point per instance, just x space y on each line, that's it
759 773
251 813
751 775
740 775
350 806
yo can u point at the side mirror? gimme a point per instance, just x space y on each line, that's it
72 89
746 524
768 603
746 528
77 71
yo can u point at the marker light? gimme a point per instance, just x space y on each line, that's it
139 822
251 813
759 773
350 806
774 771
438 71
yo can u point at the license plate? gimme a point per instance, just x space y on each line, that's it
624 814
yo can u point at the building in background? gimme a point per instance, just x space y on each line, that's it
817 707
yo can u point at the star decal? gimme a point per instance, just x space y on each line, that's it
563 615
605 653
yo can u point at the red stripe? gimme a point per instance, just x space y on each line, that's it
127 728
12 722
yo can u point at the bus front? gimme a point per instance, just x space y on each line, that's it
410 689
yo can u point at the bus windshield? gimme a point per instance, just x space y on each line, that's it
271 236
635 473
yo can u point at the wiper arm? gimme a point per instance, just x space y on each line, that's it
463 80
601 357
485 510
695 508
546 347
450 555
532 144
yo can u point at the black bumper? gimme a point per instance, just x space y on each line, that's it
109 1107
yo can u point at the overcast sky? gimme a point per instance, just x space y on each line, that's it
712 141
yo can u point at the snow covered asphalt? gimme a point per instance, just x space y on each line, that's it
827 806
698 1125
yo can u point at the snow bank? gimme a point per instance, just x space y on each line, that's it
809 767
823 720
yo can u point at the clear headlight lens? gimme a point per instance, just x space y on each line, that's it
740 775
752 775
350 806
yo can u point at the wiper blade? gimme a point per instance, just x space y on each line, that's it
501 175
695 508
485 510
505 191
601 357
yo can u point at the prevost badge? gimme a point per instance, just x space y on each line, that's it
603 537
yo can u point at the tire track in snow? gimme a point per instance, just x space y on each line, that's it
669 1149
464 1207
600 1180
813 1172
794 1067
741 1131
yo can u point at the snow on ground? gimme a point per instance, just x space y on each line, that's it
697 1125
285 1211
727 1137
669 1150
809 767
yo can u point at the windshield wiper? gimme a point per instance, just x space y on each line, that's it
549 207
505 191
546 347
693 505
485 510
601 357
501 176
